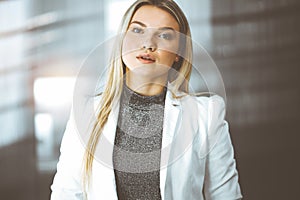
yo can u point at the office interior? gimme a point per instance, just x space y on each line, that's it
254 43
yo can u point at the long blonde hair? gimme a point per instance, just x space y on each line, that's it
114 84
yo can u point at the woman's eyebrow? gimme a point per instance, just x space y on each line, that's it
166 28
144 25
137 22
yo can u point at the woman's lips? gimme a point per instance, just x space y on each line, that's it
146 58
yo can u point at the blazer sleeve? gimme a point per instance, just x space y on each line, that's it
67 180
221 176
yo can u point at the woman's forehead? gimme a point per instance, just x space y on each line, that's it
154 17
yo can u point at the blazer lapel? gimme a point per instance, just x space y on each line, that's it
172 115
104 156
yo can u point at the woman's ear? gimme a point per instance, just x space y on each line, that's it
176 58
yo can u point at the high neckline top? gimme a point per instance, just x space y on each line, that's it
138 140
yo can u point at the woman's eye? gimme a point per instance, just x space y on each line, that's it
137 30
166 36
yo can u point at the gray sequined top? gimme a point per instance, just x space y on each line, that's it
136 154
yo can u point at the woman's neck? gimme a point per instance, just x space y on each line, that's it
145 86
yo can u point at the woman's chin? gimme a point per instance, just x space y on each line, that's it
149 71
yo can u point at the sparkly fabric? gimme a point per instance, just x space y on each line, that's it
136 154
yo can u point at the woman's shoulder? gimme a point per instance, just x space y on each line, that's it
206 101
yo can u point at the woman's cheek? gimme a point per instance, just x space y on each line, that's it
167 57
171 47
130 43
128 49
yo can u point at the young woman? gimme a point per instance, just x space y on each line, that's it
152 139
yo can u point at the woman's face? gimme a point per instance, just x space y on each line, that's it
151 42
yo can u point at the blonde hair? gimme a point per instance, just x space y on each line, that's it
114 85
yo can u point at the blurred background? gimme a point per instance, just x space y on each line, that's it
255 44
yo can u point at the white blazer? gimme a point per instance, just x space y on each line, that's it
197 157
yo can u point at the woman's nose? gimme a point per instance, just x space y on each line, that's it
149 43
